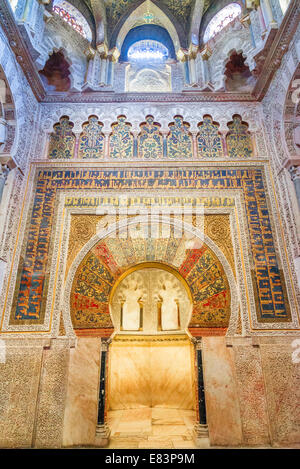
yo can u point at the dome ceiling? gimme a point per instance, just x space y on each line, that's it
180 9
180 13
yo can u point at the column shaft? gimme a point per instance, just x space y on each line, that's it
201 392
102 389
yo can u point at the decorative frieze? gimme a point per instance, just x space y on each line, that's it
179 140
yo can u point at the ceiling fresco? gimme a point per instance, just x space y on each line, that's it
180 9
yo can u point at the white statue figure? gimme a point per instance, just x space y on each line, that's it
169 306
132 296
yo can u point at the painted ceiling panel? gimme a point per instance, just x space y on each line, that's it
180 9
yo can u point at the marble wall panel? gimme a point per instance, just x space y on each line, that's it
282 381
52 395
19 382
151 374
82 394
251 391
222 403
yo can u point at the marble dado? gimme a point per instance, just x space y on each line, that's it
49 392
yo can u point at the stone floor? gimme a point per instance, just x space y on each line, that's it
154 428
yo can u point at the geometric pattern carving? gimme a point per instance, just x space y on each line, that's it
91 140
121 142
62 140
238 139
150 140
179 140
209 140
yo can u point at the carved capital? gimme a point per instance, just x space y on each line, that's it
103 50
114 54
90 53
193 51
246 20
197 341
182 55
104 344
252 4
294 172
206 53
47 16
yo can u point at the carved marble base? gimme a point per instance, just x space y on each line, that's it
102 435
200 436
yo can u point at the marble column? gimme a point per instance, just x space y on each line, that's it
261 19
268 13
103 53
103 70
192 55
195 144
201 427
4 170
3 125
205 55
93 71
110 70
182 56
102 430
28 12
113 57
295 175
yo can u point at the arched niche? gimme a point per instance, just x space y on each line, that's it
149 298
56 72
237 73
147 31
99 266
134 19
